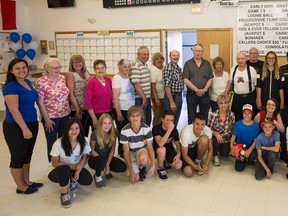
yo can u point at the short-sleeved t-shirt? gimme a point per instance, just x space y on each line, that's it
26 101
245 134
104 151
188 138
74 158
126 96
262 140
159 131
55 96
135 140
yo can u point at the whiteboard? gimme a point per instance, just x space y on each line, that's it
111 47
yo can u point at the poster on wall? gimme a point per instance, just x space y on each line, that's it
263 25
6 54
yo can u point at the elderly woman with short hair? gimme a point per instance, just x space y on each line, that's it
157 87
53 102
220 81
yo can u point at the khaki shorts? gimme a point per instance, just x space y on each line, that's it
134 159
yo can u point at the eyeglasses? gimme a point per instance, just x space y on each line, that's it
100 68
270 58
56 68
77 62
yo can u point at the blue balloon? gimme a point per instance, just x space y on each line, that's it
14 36
31 53
20 53
27 38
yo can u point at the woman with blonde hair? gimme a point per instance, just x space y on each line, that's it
157 88
77 79
103 142
271 82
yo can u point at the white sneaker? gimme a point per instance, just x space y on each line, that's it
215 161
65 200
198 172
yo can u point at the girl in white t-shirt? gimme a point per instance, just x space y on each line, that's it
69 155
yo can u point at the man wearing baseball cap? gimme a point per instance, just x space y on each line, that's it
245 132
267 145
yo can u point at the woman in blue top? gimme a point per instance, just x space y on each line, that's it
20 127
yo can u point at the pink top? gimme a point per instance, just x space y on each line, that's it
99 97
55 96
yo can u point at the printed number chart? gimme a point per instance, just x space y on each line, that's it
107 45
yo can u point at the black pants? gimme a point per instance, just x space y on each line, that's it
98 164
222 148
21 149
62 175
120 125
85 120
240 100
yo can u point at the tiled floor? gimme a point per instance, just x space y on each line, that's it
222 192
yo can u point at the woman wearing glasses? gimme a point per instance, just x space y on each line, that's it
98 95
272 110
271 82
53 102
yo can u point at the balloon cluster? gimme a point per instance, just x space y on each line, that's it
17 46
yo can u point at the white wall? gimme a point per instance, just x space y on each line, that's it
175 43
34 17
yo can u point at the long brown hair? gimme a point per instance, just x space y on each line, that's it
276 67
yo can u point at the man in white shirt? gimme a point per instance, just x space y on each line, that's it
196 140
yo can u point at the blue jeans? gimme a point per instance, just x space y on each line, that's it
58 131
240 165
270 159
178 101
193 100
147 111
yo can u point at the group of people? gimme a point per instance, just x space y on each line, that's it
71 104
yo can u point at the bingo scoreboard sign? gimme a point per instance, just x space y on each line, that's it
131 3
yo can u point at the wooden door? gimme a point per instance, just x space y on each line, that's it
221 37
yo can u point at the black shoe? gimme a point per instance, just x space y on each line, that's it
250 162
142 173
284 158
36 185
166 165
162 174
29 190
109 175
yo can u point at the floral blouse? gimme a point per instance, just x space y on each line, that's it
55 95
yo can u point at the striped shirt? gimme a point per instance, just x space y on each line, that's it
135 140
140 73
